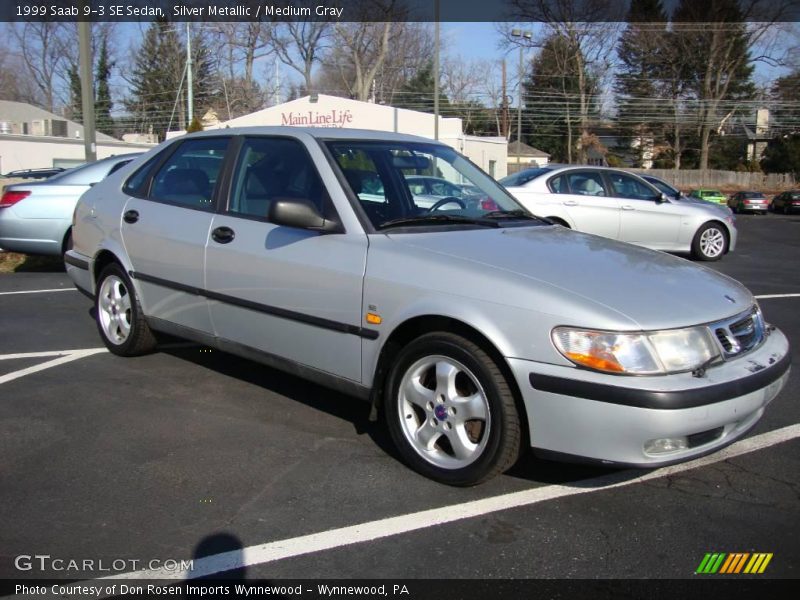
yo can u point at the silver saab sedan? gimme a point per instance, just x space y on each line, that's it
476 330
623 206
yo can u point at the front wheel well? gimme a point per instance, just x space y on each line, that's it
559 221
418 326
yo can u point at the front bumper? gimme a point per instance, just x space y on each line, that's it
584 415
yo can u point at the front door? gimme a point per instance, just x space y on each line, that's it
293 293
645 219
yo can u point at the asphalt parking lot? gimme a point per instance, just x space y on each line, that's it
189 453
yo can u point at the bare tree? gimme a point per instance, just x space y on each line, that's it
44 49
300 45
590 29
359 65
717 39
363 47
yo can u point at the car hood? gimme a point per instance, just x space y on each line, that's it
577 275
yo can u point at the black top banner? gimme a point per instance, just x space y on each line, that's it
379 10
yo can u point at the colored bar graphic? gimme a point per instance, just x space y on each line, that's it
733 563
758 563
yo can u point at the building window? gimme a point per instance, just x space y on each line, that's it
492 166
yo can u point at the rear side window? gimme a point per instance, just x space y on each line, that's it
586 183
137 183
189 175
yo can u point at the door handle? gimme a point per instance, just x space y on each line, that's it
570 203
131 216
223 235
627 207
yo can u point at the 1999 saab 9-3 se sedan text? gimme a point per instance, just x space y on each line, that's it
477 330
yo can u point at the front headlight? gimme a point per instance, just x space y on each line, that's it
645 353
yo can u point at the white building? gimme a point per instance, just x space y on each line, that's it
489 153
33 138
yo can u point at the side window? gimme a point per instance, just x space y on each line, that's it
626 186
270 169
586 183
137 183
190 174
558 185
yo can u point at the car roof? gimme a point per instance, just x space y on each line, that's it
322 133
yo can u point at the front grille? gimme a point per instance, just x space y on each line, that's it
740 334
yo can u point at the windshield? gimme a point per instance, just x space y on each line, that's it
408 183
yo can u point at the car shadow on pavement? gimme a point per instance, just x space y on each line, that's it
533 468
337 404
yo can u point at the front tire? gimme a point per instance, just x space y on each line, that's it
710 242
120 320
450 410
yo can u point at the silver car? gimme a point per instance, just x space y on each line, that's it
36 217
474 332
622 206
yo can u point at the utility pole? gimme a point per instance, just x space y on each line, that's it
189 86
504 106
87 90
524 35
436 74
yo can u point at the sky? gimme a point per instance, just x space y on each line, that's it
470 41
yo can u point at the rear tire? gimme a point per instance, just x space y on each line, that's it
120 320
450 410
710 242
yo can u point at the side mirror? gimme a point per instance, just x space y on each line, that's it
661 198
301 214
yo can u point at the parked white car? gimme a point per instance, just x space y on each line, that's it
623 206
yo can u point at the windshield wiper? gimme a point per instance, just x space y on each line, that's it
510 214
428 219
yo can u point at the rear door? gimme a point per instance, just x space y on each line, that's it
289 292
165 232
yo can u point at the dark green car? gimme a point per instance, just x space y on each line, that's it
709 195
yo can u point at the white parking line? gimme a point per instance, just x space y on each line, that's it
64 356
382 528
39 291
767 296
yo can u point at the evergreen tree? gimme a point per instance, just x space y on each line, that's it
155 81
75 99
785 108
551 98
102 98
418 93
641 49
782 155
